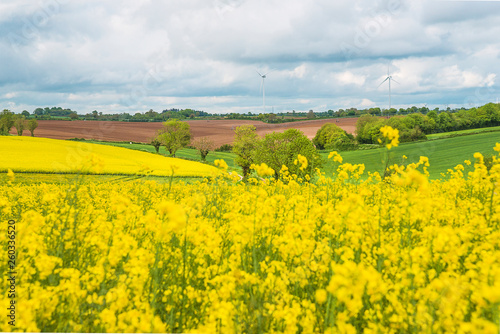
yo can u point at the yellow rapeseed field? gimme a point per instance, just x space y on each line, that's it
27 154
334 255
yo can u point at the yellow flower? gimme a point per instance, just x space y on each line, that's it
336 157
302 160
321 296
263 170
221 164
10 174
391 134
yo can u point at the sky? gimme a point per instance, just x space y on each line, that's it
135 55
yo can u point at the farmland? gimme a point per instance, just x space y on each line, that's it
403 255
220 131
444 150
26 154
349 252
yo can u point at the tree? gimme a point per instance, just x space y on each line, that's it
245 142
25 113
156 143
32 125
364 123
38 112
73 115
174 135
204 145
311 115
20 124
282 149
6 122
433 114
327 134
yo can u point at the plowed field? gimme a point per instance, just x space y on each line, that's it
220 131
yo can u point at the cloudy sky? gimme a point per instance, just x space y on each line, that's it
135 55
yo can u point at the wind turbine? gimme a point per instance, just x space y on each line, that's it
389 78
262 86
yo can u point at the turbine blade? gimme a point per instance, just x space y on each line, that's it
396 81
258 72
383 82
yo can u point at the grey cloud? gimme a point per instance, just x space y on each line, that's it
133 55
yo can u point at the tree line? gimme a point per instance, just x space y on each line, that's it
275 149
416 126
182 114
8 120
282 149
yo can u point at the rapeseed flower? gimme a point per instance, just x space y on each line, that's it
402 254
391 135
221 164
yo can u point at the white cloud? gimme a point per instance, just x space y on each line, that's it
298 72
138 55
348 78
452 77
366 103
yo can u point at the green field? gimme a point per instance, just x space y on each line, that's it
462 133
442 153
444 150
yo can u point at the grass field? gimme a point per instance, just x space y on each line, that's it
462 133
444 150
443 154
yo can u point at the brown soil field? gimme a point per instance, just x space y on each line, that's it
220 131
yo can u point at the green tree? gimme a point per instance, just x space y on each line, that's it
6 122
204 145
445 121
73 115
19 124
174 135
38 111
282 149
156 143
327 134
366 127
311 115
25 113
433 114
245 142
32 125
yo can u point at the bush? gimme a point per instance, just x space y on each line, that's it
224 148
344 142
327 135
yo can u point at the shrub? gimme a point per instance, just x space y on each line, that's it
224 148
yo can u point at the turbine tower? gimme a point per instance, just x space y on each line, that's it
388 78
263 88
